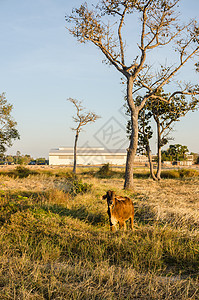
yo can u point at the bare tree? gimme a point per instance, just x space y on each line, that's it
158 28
82 118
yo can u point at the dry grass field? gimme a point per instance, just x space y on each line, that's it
55 241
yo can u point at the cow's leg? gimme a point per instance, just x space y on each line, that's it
131 222
121 224
124 225
112 228
113 222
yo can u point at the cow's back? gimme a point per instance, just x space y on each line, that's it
123 208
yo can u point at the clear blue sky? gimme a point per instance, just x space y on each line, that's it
42 65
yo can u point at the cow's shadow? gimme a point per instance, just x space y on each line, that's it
145 215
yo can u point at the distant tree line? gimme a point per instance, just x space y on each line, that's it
178 152
175 152
20 159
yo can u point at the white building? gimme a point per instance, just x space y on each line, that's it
91 156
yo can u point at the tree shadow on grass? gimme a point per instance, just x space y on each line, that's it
80 213
144 215
141 175
23 200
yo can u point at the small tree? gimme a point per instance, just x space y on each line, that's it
177 152
158 27
82 118
8 131
165 115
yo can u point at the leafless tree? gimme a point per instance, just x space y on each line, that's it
159 27
82 118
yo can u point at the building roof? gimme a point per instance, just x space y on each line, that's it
86 151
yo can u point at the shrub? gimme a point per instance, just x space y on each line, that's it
188 173
79 187
22 172
104 171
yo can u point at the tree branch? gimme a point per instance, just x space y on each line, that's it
120 36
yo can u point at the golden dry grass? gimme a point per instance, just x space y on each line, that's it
57 246
172 201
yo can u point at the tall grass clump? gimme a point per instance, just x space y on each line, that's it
180 173
170 174
186 173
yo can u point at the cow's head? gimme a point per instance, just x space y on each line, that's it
110 195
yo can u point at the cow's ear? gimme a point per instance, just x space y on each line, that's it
104 197
112 194
109 194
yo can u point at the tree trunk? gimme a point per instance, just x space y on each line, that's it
150 163
131 152
158 174
75 153
128 184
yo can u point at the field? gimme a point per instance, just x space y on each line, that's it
55 241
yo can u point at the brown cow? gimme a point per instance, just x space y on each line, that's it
120 209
